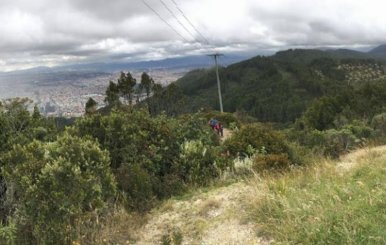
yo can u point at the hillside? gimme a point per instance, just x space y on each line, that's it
280 88
379 51
227 214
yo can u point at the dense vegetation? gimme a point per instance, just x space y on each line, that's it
281 87
60 180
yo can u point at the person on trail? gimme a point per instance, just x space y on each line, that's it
213 122
219 129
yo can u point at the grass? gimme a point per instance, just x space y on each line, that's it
319 205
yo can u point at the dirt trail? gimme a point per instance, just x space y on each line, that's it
215 217
226 134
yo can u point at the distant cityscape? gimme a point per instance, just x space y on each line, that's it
66 93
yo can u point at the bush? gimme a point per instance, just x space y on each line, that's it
148 156
56 187
256 136
271 162
137 186
199 164
378 123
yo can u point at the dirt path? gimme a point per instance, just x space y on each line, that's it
215 217
226 134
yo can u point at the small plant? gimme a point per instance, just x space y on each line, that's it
172 238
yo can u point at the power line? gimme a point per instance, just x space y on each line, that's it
167 23
179 22
190 23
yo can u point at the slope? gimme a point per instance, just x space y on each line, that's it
227 214
279 88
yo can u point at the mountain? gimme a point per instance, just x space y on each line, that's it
379 52
280 88
186 62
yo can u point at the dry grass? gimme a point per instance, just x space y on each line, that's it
326 203
207 206
120 227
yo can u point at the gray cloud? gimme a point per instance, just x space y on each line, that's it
44 32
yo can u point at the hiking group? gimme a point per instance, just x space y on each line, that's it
217 126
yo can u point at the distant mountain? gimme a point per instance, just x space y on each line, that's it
279 88
187 62
379 52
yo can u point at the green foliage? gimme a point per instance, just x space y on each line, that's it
169 100
321 114
137 184
336 141
55 186
91 105
378 123
146 153
126 84
281 87
198 163
256 136
8 233
225 118
147 83
112 95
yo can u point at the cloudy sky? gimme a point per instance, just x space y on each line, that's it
48 33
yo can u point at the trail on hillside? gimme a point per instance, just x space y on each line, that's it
215 217
219 216
226 134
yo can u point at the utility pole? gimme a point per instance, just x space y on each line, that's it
215 56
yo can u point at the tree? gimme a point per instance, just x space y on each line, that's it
147 83
126 84
91 106
36 114
112 95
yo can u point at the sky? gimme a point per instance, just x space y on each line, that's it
49 33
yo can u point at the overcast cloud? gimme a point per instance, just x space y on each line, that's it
46 32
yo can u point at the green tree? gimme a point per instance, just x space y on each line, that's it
112 95
91 106
126 84
147 83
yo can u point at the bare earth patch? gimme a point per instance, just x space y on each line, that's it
214 217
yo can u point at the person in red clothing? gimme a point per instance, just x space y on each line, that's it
219 128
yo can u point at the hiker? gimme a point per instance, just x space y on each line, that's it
219 128
213 122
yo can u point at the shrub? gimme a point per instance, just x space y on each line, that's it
199 164
257 136
137 186
146 153
378 123
271 162
57 186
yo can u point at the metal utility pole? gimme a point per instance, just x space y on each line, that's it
215 56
